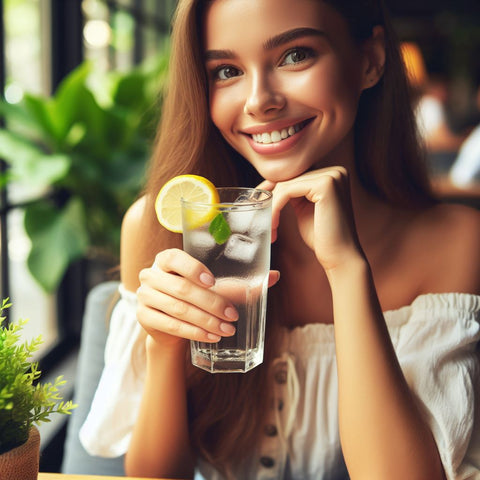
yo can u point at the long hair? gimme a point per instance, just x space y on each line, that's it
226 410
389 155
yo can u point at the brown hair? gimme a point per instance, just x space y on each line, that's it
226 410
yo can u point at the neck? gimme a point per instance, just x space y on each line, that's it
372 215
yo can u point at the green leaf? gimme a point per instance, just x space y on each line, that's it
41 110
20 120
77 105
69 101
28 163
130 90
219 229
58 237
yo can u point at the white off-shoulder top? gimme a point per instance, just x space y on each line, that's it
435 339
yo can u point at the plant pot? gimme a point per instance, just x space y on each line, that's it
22 463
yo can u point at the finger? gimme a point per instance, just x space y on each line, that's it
177 309
273 278
153 320
313 186
177 261
266 185
181 288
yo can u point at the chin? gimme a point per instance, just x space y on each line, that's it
277 175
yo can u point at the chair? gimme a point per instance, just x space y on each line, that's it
76 460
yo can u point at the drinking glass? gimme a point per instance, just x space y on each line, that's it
232 238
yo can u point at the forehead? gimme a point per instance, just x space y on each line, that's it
226 21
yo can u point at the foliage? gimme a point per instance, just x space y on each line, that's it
89 156
23 401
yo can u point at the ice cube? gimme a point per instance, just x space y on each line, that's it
245 197
241 248
240 220
201 239
260 224
250 222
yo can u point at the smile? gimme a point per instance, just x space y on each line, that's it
278 135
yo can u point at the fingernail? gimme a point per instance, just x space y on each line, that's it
231 313
207 279
227 328
212 336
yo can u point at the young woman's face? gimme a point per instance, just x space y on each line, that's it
284 78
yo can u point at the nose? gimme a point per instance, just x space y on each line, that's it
263 98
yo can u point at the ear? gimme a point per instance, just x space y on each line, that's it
374 58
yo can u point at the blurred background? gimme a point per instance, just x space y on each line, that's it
81 84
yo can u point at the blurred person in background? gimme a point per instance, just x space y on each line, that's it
465 171
431 90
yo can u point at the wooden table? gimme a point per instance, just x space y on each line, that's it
67 476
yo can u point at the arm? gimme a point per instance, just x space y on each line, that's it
160 441
382 432
160 432
174 304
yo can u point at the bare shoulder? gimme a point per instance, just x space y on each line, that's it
448 237
142 238
131 261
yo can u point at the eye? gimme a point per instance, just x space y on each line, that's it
225 72
297 55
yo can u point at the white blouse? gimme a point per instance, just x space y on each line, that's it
435 339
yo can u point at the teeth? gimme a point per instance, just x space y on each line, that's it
276 136
266 138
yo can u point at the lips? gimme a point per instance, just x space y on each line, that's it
277 138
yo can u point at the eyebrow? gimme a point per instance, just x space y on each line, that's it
291 35
271 43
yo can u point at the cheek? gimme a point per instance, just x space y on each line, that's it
223 110
332 88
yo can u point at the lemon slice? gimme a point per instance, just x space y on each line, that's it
192 188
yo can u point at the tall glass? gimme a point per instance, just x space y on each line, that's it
232 238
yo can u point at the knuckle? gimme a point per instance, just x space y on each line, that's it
199 334
181 288
211 323
142 312
173 326
179 308
144 275
328 181
140 294
218 304
166 257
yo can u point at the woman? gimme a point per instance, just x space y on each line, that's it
344 390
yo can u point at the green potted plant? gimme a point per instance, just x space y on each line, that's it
85 152
24 402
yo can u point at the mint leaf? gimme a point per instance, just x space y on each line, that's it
219 229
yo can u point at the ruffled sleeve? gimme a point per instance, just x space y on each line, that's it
107 429
436 347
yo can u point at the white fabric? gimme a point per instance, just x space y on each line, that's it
435 339
466 169
107 429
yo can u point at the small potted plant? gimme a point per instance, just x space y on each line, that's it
24 402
